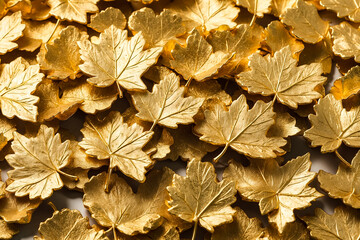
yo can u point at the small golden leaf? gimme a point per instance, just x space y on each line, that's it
68 225
347 85
242 129
344 224
346 41
293 231
37 162
122 61
165 105
344 8
257 7
82 176
242 227
285 125
156 29
305 22
280 76
7 128
113 139
200 198
11 29
110 16
278 189
7 230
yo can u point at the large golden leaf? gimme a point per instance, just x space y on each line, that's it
305 22
257 7
156 29
68 225
279 76
197 60
166 104
113 139
72 10
278 189
116 59
208 14
345 184
37 164
110 16
348 85
344 224
242 227
333 125
7 230
61 58
126 211
344 8
18 80
11 29
242 129
200 198
346 40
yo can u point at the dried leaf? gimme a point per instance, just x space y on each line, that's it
165 105
242 129
7 230
116 59
257 7
279 76
112 139
344 224
347 85
305 22
343 8
11 29
110 16
200 198
37 164
72 10
278 189
346 41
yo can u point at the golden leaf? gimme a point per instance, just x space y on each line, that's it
257 7
37 164
243 41
62 58
197 60
17 81
278 189
2 188
156 29
51 105
285 125
82 176
279 76
165 105
200 198
242 129
344 224
347 85
344 8
346 41
72 10
277 37
116 59
278 7
113 139
7 230
3 8
209 14
7 128
68 225
17 210
11 29
110 16
39 11
293 231
345 184
305 22
333 125
131 213
242 227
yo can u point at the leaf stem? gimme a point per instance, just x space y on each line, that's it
254 16
119 89
195 230
187 85
54 30
114 232
52 205
107 181
153 125
75 178
222 152
343 160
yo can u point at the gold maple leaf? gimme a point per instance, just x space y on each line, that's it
346 41
110 16
200 198
242 129
305 22
72 10
344 224
278 189
242 227
11 28
345 184
18 80
131 213
122 61
197 60
68 225
257 7
344 8
284 126
279 76
61 59
165 105
156 29
348 85
113 139
7 230
37 164
208 14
